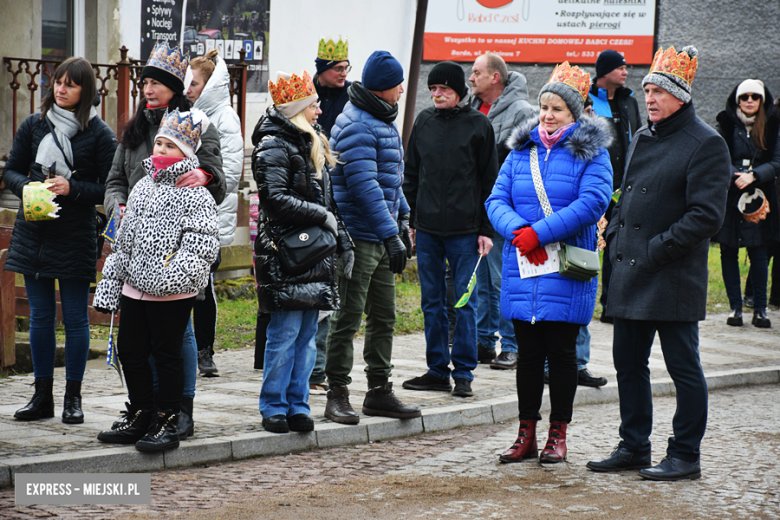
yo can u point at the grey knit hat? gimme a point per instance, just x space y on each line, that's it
572 98
675 85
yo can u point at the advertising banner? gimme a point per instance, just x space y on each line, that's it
540 31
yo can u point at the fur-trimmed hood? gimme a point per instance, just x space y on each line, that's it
584 141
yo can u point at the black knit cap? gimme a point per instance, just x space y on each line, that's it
164 77
451 74
608 61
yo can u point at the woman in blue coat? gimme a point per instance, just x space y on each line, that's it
548 310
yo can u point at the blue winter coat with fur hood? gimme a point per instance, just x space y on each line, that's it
577 176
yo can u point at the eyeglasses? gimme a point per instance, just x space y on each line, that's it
315 106
341 69
754 97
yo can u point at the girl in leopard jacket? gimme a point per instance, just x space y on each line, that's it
168 240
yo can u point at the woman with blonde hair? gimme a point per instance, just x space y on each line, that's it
289 164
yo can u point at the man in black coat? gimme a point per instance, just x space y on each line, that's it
674 198
331 81
450 168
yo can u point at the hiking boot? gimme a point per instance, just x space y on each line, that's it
130 429
338 408
71 410
163 433
382 401
428 381
505 361
485 355
462 388
206 363
41 406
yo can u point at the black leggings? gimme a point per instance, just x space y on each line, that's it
153 328
557 342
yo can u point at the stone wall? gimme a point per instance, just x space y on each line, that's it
736 41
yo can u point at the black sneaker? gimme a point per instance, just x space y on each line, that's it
462 388
206 363
485 355
428 381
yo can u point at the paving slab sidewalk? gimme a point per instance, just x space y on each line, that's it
227 419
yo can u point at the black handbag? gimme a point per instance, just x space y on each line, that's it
301 249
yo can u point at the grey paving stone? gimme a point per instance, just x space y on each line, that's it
473 414
442 418
260 444
504 408
331 434
381 428
112 460
198 451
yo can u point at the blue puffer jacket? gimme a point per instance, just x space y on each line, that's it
577 177
367 187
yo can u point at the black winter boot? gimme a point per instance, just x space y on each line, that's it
133 425
163 433
382 401
71 410
41 405
186 424
338 408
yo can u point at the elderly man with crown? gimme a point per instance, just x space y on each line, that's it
552 189
673 200
331 80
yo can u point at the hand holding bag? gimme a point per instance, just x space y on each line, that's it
575 262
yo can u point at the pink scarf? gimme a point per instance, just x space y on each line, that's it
161 162
549 140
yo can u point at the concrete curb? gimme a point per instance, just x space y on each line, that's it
329 435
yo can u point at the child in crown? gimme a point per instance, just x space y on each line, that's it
168 240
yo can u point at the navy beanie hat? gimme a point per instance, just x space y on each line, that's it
608 61
323 65
382 71
451 74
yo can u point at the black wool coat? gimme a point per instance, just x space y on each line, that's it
736 231
673 201
332 102
290 197
66 247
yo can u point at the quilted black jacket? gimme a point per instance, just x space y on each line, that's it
290 197
65 247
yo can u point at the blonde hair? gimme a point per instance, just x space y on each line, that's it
205 64
320 149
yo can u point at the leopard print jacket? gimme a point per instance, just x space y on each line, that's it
168 239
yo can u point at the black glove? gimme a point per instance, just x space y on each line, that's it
405 233
397 252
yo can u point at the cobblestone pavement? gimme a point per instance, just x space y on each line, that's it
455 474
228 405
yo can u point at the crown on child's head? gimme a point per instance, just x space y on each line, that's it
287 91
181 128
169 59
330 51
573 77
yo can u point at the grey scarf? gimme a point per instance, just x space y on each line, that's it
65 126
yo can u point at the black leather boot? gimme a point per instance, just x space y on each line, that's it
163 433
186 424
338 408
71 410
133 426
760 320
41 405
382 401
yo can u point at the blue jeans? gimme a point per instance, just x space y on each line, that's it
189 355
759 275
289 358
320 340
583 348
489 317
433 252
74 296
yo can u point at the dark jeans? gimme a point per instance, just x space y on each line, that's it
556 341
153 328
74 296
632 342
261 338
204 313
371 290
729 263
772 251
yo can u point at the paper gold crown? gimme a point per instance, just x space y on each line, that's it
333 51
573 77
169 59
182 128
296 88
675 64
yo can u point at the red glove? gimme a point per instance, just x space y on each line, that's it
537 256
526 240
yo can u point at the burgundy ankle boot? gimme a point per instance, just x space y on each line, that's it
525 446
555 450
